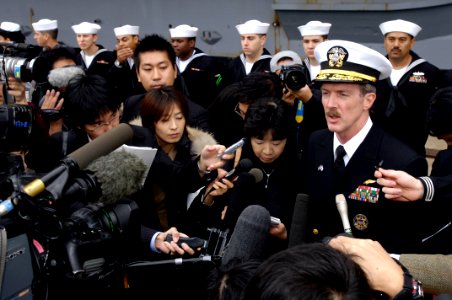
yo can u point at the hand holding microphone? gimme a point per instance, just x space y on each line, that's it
341 204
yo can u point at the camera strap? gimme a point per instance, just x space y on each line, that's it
3 249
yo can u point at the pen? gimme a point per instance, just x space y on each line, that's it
379 165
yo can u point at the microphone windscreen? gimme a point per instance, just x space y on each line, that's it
119 174
249 238
60 77
257 174
102 145
299 226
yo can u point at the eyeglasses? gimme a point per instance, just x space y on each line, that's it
100 124
238 111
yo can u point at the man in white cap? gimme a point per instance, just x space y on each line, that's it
201 73
123 73
254 56
93 57
312 34
341 160
10 32
404 98
46 33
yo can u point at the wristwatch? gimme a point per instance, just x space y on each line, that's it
412 288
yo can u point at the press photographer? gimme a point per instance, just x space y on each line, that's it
301 94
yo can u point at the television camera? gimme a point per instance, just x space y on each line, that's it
61 240
20 61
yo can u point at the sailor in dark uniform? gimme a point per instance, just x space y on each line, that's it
349 72
403 99
94 58
202 73
123 74
254 56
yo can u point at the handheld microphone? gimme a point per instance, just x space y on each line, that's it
298 230
55 180
341 204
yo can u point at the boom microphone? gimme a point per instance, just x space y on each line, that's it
60 77
55 180
102 145
119 174
341 204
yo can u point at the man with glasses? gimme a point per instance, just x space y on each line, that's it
91 109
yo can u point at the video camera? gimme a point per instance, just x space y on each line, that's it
25 68
293 76
16 123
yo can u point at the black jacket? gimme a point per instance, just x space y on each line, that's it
394 224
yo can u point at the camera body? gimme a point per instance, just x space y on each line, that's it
16 123
293 76
21 68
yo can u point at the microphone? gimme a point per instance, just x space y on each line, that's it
55 180
298 229
102 145
341 204
119 174
257 174
60 77
250 234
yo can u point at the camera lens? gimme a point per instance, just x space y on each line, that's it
295 79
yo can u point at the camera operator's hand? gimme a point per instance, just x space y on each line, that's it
16 89
51 102
304 94
171 247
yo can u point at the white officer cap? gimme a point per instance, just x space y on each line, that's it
252 27
314 28
345 61
86 28
10 26
127 30
45 25
400 26
296 60
183 31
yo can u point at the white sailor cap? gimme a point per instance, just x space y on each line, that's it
10 26
296 60
314 28
183 31
45 25
345 61
252 27
127 30
86 28
400 26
